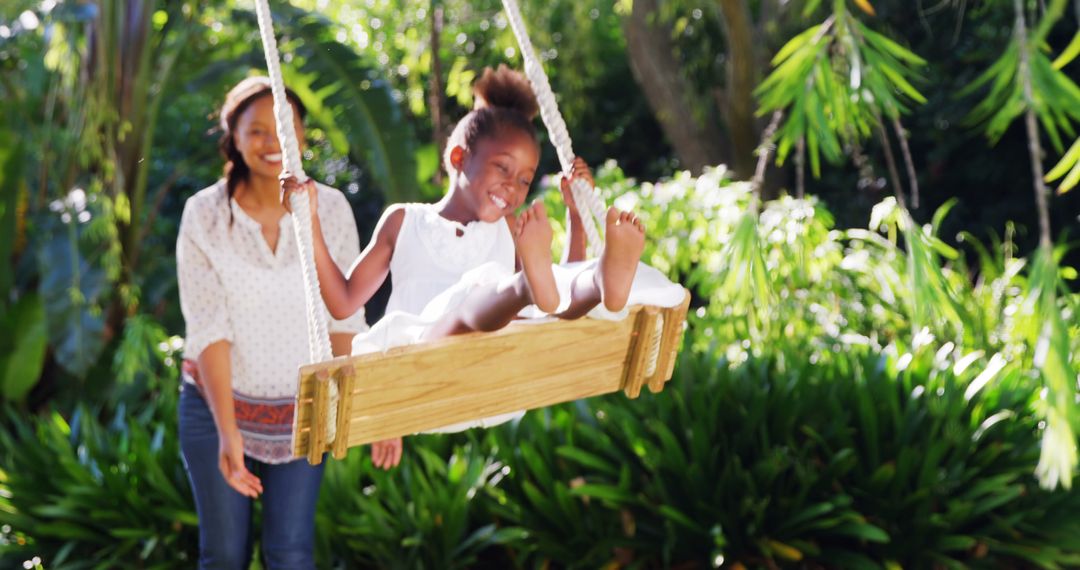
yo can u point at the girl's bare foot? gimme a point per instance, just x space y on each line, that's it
623 242
532 236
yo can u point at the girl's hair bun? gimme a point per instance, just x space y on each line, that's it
507 89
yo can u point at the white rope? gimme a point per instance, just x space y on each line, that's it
318 332
654 346
590 205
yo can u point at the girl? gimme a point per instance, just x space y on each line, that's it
453 262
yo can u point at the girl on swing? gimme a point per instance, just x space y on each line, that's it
468 263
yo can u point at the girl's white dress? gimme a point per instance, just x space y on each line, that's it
433 268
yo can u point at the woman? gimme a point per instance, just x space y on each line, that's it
242 296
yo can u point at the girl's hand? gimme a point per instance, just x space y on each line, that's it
578 170
231 463
386 454
290 185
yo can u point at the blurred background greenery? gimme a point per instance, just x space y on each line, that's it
872 372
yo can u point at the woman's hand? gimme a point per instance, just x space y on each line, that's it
578 170
231 463
386 454
290 185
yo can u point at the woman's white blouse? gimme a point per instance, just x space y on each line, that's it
233 287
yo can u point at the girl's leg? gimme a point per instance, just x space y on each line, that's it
290 493
492 306
610 281
224 515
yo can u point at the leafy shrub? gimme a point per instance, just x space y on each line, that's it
81 494
424 514
844 400
848 464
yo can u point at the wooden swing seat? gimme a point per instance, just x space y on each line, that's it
411 389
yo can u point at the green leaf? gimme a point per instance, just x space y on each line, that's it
680 518
863 530
901 83
538 467
21 367
1070 53
72 290
604 492
1069 164
956 542
586 459
941 213
887 45
810 7
131 532
794 45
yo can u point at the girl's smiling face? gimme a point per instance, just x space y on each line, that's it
256 137
497 174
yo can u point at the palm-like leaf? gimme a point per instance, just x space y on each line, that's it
350 98
834 81
1069 168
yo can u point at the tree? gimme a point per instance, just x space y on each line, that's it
691 128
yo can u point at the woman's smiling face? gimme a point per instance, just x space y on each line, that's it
256 137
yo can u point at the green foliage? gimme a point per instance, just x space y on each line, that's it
74 292
81 184
778 460
883 285
81 494
350 98
92 172
856 397
424 514
832 415
11 162
1056 99
546 475
836 81
1046 330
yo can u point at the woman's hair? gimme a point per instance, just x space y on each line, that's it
503 99
237 101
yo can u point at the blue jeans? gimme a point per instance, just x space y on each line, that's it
290 493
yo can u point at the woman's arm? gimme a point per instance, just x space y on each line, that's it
208 342
215 374
344 296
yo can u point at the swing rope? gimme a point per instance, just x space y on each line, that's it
590 205
318 332
593 211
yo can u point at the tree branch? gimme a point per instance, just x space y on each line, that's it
909 163
1034 146
800 168
763 151
890 163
